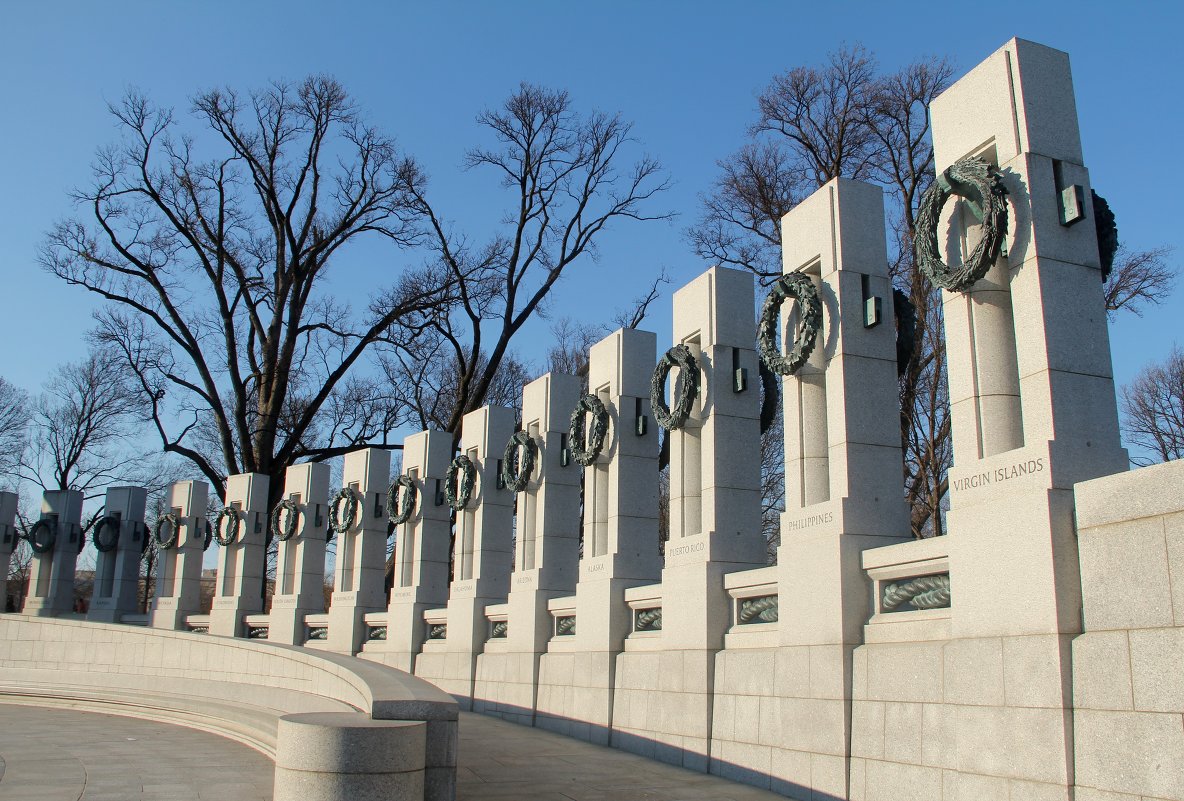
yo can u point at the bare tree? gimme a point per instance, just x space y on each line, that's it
80 428
14 422
572 340
563 173
1153 409
846 120
213 256
1139 279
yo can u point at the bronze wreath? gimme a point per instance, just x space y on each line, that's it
337 523
51 530
972 178
287 531
679 356
399 513
458 490
518 460
585 453
796 285
104 545
235 517
175 528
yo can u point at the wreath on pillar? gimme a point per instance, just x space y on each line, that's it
1107 229
285 530
796 285
977 181
207 533
518 461
51 536
106 544
906 330
585 453
226 535
679 356
174 524
339 524
458 489
399 512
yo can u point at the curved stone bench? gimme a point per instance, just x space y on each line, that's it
337 727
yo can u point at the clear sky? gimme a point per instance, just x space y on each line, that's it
685 72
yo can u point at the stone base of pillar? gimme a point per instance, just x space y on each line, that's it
286 622
170 613
226 615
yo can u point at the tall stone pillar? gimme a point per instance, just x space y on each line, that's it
8 539
242 563
421 552
178 569
300 560
846 496
620 548
546 554
51 579
1014 573
117 570
360 568
482 558
715 523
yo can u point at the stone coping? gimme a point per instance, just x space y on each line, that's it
1145 492
60 644
758 579
906 553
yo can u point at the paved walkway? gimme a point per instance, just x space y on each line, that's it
500 761
67 755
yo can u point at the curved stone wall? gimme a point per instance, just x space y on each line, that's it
260 694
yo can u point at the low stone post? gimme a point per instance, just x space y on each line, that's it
178 569
340 755
300 558
620 549
56 539
242 560
546 553
482 557
119 537
360 569
421 552
8 538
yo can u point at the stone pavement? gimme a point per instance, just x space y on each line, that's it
59 754
68 755
500 761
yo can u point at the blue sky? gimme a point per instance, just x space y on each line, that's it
686 73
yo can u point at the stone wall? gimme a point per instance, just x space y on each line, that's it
334 724
1128 664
